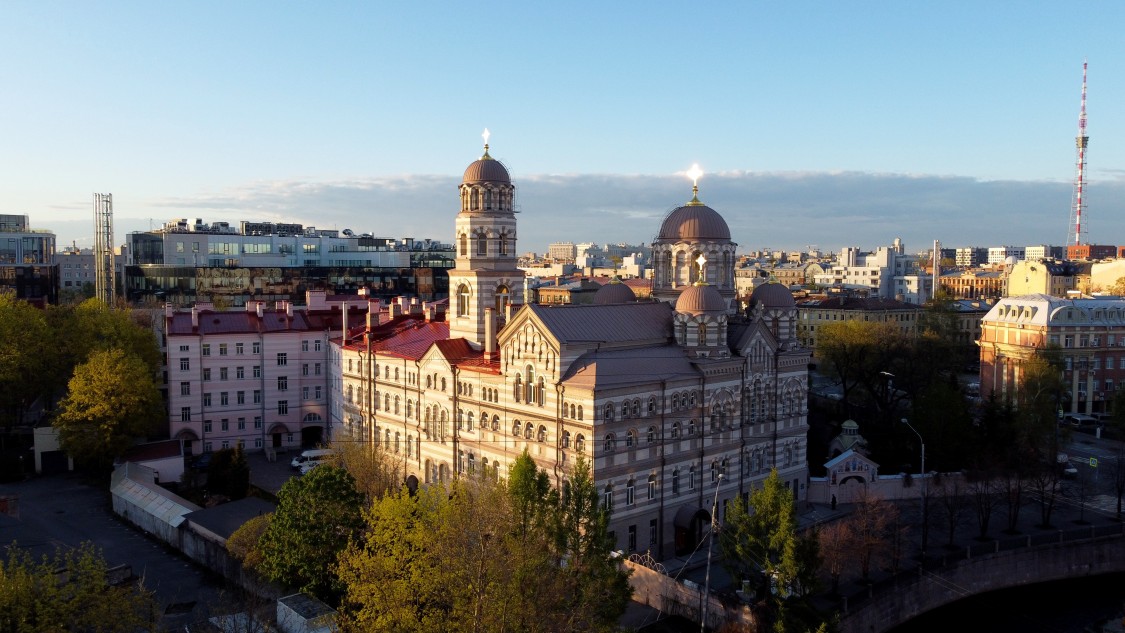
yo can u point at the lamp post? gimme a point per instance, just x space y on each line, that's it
704 603
923 486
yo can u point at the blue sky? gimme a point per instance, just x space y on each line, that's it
828 123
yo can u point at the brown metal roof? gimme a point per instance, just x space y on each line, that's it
619 323
694 222
618 368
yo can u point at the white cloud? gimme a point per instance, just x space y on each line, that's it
778 210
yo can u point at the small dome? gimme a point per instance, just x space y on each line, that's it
614 292
694 222
486 169
700 299
772 294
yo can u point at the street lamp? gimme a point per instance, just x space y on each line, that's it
923 486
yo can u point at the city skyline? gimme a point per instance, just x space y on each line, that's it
839 126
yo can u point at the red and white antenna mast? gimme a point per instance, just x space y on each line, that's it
1078 205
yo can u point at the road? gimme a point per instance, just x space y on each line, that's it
1097 462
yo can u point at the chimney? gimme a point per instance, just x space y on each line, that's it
363 292
396 309
260 309
489 332
344 323
169 310
194 318
289 309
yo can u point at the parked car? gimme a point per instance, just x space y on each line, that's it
1066 468
312 456
1081 421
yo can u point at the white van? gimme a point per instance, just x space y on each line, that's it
311 457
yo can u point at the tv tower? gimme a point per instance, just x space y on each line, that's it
1076 231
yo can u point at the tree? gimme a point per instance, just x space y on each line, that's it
245 543
1037 440
760 540
870 525
70 592
376 471
228 474
24 339
317 515
112 400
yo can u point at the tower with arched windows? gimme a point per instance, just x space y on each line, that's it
693 246
486 276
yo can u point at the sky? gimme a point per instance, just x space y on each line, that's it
815 123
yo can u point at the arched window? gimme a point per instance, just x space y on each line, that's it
572 411
495 423
409 408
542 436
580 443
516 428
631 438
387 402
636 408
609 412
676 481
464 244
566 439
691 427
472 463
516 393
630 494
350 393
398 442
691 478
469 421
607 497
541 395
463 300
675 401
651 434
651 487
714 472
651 406
529 385
579 412
610 443
675 430
482 244
502 295
528 430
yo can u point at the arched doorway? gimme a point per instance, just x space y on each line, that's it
277 432
312 430
691 525
851 489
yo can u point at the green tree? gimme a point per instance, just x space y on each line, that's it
69 592
112 400
317 515
245 543
376 471
24 343
229 474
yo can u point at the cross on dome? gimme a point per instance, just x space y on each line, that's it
485 137
702 261
694 173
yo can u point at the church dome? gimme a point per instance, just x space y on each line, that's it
614 292
694 221
486 169
772 294
700 299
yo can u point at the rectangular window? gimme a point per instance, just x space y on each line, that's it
206 399
652 533
305 369
316 345
240 372
184 348
317 367
282 383
257 442
207 426
632 538
257 371
185 364
240 397
223 373
304 393
304 346
224 399
282 359
257 396
185 414
256 347
206 349
316 391
222 349
185 388
239 348
1109 362
207 373
257 421
241 424
226 444
224 425
283 407
207 447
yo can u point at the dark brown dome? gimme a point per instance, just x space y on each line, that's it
694 222
701 299
772 294
614 292
487 169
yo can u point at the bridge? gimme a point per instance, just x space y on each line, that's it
1013 561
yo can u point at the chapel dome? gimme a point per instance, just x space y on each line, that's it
486 169
772 294
614 292
694 221
701 299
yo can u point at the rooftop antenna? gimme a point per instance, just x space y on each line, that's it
1075 236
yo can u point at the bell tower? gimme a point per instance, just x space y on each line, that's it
486 276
